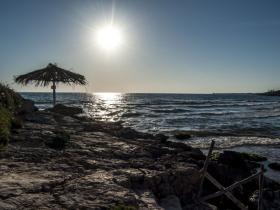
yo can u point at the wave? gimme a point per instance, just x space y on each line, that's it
131 114
170 110
226 142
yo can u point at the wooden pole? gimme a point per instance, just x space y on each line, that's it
261 177
205 166
54 93
231 187
227 193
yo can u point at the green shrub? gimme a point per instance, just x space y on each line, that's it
215 156
9 98
5 126
60 140
252 157
9 102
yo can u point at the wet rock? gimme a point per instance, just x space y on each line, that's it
161 137
181 135
274 166
252 157
41 118
66 110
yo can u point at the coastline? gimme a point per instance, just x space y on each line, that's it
105 166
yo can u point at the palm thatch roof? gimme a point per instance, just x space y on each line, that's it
51 73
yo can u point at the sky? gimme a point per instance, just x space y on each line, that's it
169 46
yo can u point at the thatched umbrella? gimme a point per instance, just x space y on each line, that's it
51 74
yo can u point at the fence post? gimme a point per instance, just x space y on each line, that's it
261 177
205 166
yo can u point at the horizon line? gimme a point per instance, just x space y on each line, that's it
98 92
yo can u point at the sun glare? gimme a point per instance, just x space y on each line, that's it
109 38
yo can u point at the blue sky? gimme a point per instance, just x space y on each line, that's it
190 46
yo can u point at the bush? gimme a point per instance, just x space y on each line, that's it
5 126
9 99
9 102
60 140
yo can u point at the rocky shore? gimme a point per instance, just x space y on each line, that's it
58 160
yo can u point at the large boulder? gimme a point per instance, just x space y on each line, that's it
274 166
65 110
182 135
27 106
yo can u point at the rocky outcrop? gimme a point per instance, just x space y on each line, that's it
182 135
106 166
65 110
274 166
97 169
26 107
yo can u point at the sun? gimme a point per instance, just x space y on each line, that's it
109 38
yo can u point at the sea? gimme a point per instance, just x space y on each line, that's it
240 122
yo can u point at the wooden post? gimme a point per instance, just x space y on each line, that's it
205 166
227 193
261 177
54 93
231 187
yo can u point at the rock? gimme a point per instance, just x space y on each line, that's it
181 135
27 107
66 110
274 166
200 206
232 158
170 202
240 156
253 157
107 166
41 118
161 137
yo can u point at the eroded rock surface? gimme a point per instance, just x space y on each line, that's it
101 167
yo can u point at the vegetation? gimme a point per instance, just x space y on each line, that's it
243 155
215 156
252 157
5 126
9 102
9 99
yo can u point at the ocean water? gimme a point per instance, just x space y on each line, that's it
241 122
231 119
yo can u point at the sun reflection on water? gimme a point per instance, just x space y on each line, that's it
107 106
108 98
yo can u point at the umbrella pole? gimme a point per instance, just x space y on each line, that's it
54 93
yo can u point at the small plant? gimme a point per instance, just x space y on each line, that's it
60 140
215 156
